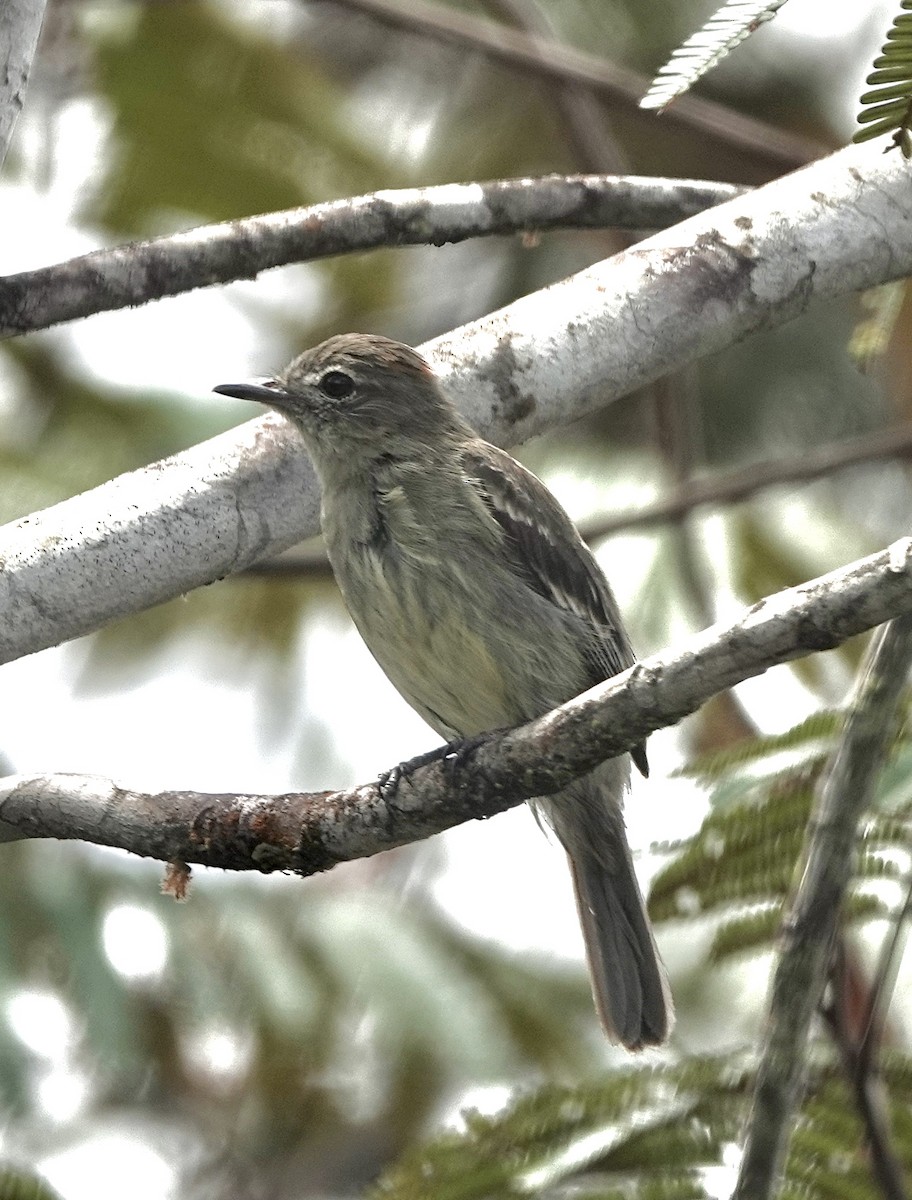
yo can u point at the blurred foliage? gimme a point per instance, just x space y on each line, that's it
304 1036
347 1016
740 866
650 1133
19 1183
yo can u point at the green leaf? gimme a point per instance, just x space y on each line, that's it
888 108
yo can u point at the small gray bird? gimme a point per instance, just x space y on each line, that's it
482 604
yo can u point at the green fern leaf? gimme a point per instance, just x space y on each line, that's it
820 727
755 931
888 107
725 29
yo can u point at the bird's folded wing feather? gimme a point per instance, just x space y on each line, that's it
544 544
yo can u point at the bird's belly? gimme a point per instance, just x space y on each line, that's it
425 634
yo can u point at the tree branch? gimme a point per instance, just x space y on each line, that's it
544 57
20 25
861 1068
124 276
809 928
310 832
583 114
552 356
730 487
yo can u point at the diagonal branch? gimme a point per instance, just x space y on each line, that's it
731 487
312 832
124 276
809 928
551 357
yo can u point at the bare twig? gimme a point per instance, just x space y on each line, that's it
883 984
584 114
809 929
124 276
20 25
864 1079
543 57
311 832
730 487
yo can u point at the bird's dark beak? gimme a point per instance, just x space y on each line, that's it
266 391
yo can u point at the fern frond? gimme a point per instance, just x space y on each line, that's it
819 727
733 847
741 864
725 29
639 1128
660 1127
755 931
888 107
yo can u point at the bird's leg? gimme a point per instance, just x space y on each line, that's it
451 754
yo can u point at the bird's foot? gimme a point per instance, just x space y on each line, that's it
451 754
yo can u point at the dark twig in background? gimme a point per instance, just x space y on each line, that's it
730 487
847 986
542 57
584 117
809 927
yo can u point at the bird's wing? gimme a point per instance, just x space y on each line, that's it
545 547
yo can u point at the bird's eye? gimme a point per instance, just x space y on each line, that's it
337 385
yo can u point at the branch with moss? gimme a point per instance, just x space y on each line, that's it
809 929
310 832
548 358
125 276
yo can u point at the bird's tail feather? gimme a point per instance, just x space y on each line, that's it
629 984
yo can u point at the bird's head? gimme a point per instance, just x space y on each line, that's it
357 397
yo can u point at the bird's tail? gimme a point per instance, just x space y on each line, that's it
629 984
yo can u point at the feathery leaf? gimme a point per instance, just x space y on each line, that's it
731 24
888 107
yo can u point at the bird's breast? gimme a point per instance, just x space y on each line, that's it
420 621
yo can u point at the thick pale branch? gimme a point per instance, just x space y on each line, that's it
20 25
311 832
757 261
809 929
124 276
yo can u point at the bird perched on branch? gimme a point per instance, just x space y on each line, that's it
475 593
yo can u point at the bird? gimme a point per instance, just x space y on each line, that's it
476 595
